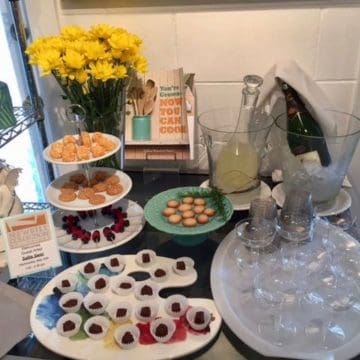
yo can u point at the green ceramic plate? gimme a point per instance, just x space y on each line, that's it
154 207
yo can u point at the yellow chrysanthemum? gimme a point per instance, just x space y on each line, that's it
119 40
73 32
120 71
48 61
94 50
102 70
141 65
101 31
73 59
81 76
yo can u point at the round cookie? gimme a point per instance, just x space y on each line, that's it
114 189
202 219
198 209
174 219
172 204
67 196
190 222
168 211
209 212
188 200
184 207
199 201
97 199
188 214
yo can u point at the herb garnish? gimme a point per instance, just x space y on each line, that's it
214 194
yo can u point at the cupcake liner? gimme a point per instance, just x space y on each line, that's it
67 283
113 308
162 329
191 317
88 275
139 258
122 331
187 261
176 299
115 268
156 276
66 298
154 309
142 287
73 318
122 279
92 299
95 283
98 320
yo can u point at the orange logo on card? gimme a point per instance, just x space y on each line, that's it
25 223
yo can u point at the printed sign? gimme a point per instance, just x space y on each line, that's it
30 243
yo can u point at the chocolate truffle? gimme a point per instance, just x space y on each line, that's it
199 317
95 329
65 283
180 265
127 338
68 325
125 285
146 290
145 311
114 262
96 305
89 268
100 284
121 312
161 330
159 273
175 307
70 303
146 258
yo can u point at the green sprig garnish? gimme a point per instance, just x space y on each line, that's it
214 194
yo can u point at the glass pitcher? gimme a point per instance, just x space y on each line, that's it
235 141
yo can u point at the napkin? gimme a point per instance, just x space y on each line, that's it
313 96
15 306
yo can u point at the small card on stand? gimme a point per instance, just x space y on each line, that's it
30 243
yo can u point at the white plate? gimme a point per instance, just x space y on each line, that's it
230 291
342 201
241 201
66 243
53 191
107 349
114 139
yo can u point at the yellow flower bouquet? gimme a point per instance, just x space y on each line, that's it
93 69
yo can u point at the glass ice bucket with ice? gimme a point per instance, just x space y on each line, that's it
234 149
324 182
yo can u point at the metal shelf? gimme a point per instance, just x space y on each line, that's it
25 117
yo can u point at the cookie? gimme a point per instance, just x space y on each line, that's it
85 139
190 222
188 200
114 189
78 178
199 201
70 185
97 150
69 139
184 207
209 212
97 199
187 214
113 179
100 175
168 211
83 153
67 196
86 193
173 204
202 219
198 209
100 187
175 219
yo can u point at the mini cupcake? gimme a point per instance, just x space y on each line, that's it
119 311
162 329
95 304
146 311
96 327
176 305
99 283
145 290
198 317
183 265
122 285
159 273
69 324
90 269
67 283
115 263
127 336
145 258
71 302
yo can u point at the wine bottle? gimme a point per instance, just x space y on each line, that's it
304 132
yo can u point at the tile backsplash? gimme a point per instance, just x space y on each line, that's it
221 44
